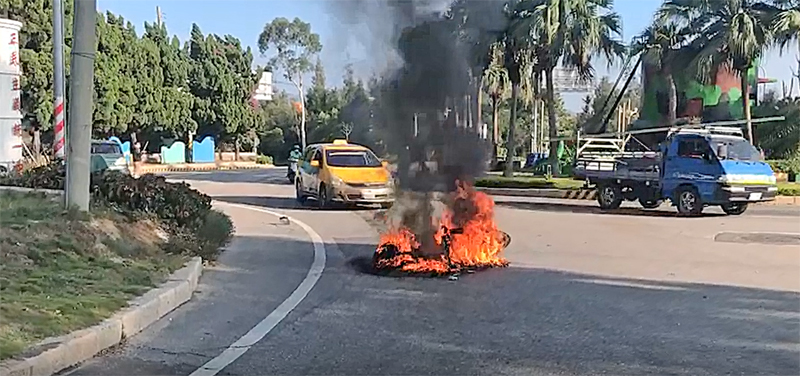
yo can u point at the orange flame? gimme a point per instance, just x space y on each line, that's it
479 243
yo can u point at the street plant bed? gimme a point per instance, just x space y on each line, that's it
62 270
788 189
527 182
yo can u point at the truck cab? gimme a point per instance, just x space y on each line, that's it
714 167
693 168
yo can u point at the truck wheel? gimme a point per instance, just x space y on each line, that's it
649 204
609 197
688 202
734 208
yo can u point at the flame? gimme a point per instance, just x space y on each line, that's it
478 244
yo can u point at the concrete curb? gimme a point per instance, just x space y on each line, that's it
66 351
591 194
190 168
573 194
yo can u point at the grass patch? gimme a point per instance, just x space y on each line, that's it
788 189
61 271
527 182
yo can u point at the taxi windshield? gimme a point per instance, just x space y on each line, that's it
352 158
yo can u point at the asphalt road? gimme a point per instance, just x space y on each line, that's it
629 293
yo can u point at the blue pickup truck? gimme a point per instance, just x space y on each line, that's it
693 168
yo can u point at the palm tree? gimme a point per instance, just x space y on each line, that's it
570 33
495 79
786 26
726 34
661 43
516 56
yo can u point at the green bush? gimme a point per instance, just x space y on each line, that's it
185 212
215 232
527 182
789 189
174 203
264 159
50 176
788 166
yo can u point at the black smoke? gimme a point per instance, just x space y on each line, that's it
425 101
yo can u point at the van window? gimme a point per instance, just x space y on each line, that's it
103 148
693 148
739 149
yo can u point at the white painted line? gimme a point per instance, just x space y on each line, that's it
238 348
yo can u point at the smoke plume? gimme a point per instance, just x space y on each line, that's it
426 114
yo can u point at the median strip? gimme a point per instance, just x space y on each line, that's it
565 188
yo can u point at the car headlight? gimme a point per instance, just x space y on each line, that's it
773 179
723 179
337 182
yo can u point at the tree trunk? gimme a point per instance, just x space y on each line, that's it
672 99
236 146
746 104
478 112
495 128
37 143
512 125
553 125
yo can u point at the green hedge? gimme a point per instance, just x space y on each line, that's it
789 189
184 211
788 166
527 182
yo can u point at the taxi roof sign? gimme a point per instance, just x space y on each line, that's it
340 142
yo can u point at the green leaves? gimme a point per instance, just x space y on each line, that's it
293 43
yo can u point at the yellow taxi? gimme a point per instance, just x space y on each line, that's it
345 173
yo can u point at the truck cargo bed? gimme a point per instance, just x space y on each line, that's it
638 166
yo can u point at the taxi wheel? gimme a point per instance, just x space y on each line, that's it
324 198
298 192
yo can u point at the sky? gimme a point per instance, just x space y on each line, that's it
245 19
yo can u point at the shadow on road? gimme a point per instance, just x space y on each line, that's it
585 209
272 202
532 321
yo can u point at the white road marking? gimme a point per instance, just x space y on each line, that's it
238 348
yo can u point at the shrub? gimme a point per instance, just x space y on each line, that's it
264 159
194 227
788 166
789 189
174 203
50 176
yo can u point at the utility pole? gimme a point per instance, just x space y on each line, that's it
59 116
80 104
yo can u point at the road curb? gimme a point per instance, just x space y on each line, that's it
189 168
571 194
66 351
591 194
